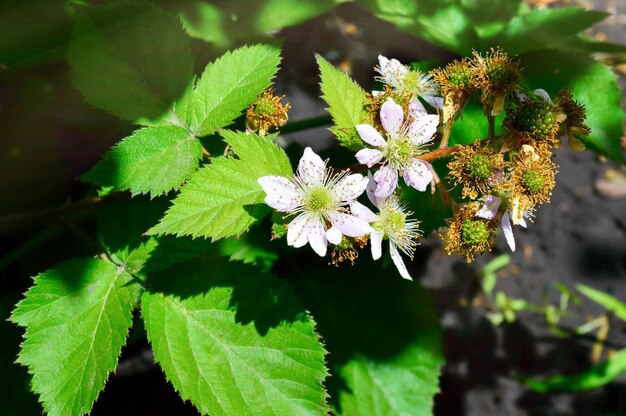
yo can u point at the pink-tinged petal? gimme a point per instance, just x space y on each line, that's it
282 194
397 260
296 232
317 236
522 222
387 180
311 167
361 211
370 135
507 229
371 189
416 108
351 187
369 157
333 235
423 129
376 240
490 207
418 175
436 102
391 116
350 226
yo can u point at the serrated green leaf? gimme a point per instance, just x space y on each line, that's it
592 83
153 160
131 59
384 338
235 341
224 199
609 302
541 28
77 317
346 102
594 377
231 83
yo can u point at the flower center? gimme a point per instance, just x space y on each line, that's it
318 200
533 181
479 167
474 232
399 151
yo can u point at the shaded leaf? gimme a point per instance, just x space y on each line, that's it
131 59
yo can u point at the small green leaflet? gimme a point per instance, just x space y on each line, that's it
393 370
224 198
153 160
77 317
609 302
235 341
347 103
228 86
131 59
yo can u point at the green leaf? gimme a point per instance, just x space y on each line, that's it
230 84
593 84
595 377
77 317
542 28
235 341
153 160
224 199
607 301
346 102
131 59
384 338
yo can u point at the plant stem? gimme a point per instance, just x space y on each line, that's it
14 221
492 127
305 124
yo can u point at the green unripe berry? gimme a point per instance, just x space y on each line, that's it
264 107
498 72
533 181
460 76
479 167
474 232
536 118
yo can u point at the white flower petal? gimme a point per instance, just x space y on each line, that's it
418 175
296 233
391 116
522 222
371 189
391 70
543 94
369 157
317 236
370 135
507 229
363 212
350 226
376 240
436 102
333 235
423 129
387 179
490 208
397 260
282 194
311 167
416 108
351 187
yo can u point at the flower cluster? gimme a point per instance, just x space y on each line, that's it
502 179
